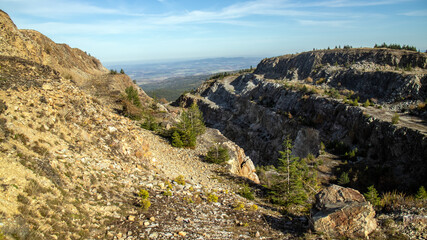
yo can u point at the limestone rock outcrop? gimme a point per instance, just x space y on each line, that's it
238 164
258 110
344 212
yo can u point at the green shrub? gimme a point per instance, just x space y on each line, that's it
239 206
150 123
180 180
212 197
246 192
344 179
372 196
254 207
176 140
133 96
395 119
367 103
352 154
217 154
145 204
143 194
190 126
421 194
167 193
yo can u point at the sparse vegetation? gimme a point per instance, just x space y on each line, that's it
421 194
396 46
246 192
372 196
344 179
190 126
294 183
212 197
217 154
239 206
395 119
145 204
180 180
143 194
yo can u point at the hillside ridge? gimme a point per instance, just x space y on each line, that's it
348 102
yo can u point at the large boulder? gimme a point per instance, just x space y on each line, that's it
344 212
307 142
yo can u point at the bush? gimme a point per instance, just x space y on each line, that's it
190 126
180 180
239 206
176 140
367 103
344 179
133 96
143 194
167 193
320 81
351 155
145 204
150 124
217 154
246 192
395 119
212 197
254 207
421 194
372 196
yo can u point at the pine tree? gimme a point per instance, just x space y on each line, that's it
372 196
298 181
190 126
421 194
176 140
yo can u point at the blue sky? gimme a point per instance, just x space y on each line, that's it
156 30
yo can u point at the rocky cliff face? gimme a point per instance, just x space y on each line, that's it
383 74
258 113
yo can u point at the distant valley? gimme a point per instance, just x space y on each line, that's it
170 79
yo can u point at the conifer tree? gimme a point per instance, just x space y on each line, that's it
297 180
190 126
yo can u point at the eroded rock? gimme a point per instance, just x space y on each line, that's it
344 212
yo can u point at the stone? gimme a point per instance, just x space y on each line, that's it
153 235
183 234
342 212
131 218
152 219
307 142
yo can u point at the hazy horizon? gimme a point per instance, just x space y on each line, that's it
172 30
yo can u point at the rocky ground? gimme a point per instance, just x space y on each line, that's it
71 169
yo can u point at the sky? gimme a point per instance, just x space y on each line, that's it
164 30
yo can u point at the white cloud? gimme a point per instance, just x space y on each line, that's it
419 13
55 8
335 23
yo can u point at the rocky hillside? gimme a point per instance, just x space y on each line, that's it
72 168
31 45
345 98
